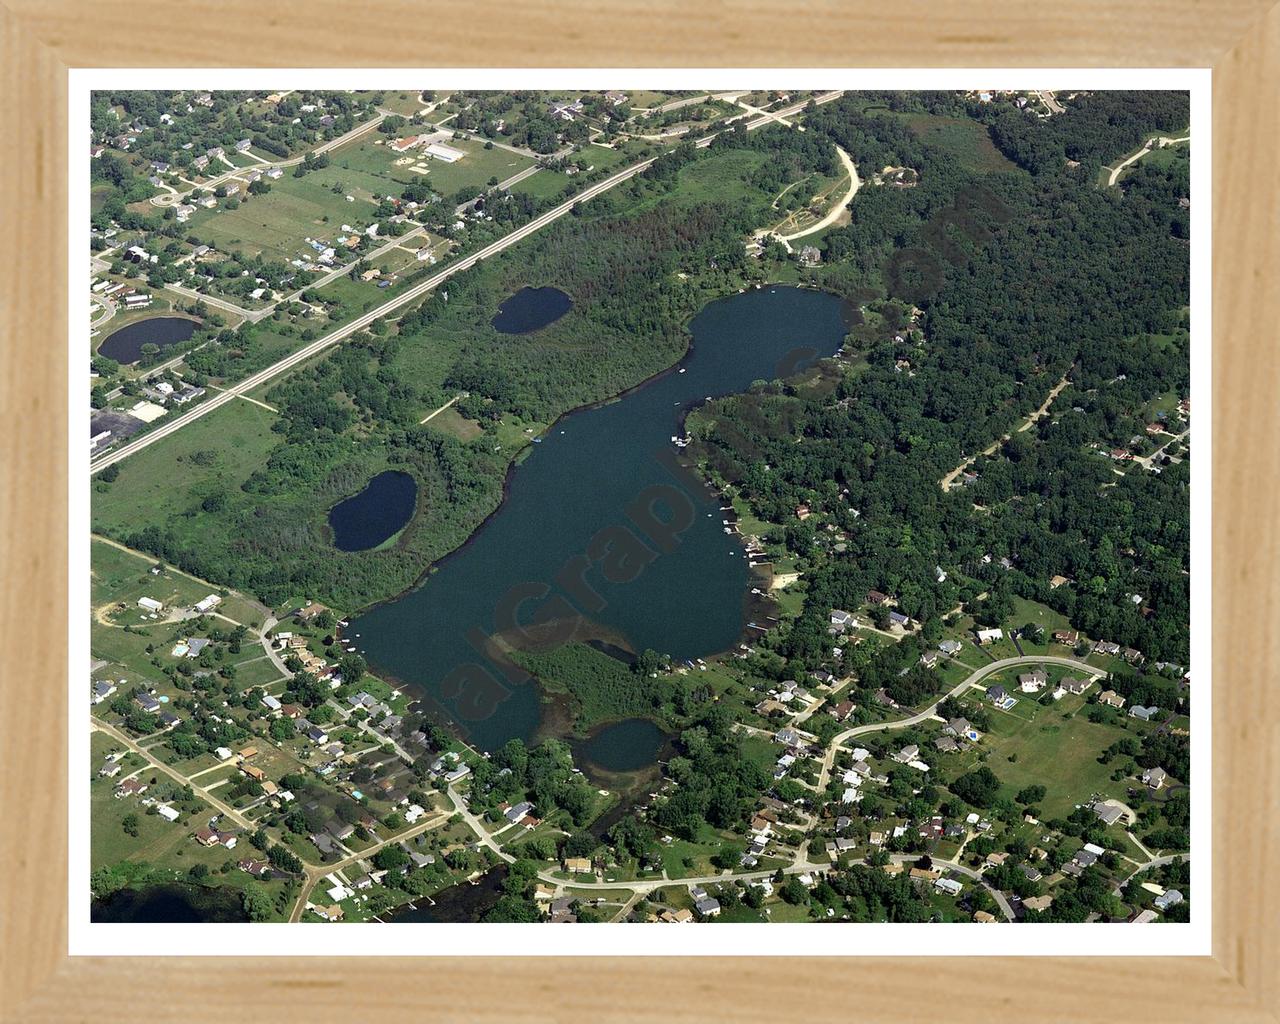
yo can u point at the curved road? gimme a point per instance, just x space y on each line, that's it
833 214
1147 148
974 677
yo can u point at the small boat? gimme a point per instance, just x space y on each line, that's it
682 369
537 440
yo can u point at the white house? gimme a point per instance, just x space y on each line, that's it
149 604
208 604
990 636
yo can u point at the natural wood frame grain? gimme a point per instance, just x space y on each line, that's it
39 41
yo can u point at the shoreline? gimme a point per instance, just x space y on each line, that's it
753 608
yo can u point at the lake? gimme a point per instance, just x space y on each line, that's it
377 513
464 903
125 345
171 903
531 309
625 746
601 535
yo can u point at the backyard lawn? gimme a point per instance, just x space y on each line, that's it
1057 752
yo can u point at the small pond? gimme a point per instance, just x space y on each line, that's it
171 903
376 514
531 309
125 345
624 746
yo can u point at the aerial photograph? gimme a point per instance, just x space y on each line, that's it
637 506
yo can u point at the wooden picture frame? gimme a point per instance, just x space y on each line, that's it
1240 40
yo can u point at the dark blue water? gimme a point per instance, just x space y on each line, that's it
381 510
175 903
531 309
624 746
586 543
125 345
463 903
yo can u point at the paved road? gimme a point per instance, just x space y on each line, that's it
172 198
406 296
1146 460
316 872
974 677
968 872
225 809
1157 862
227 306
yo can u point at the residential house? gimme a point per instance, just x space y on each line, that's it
1154 777
1111 699
1033 682
708 907
949 886
518 812
1108 812
990 636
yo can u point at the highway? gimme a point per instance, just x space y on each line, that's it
405 297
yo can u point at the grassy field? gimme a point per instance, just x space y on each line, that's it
277 224
1055 747
966 140
365 162
406 103
453 422
544 184
214 453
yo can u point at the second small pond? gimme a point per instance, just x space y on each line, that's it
531 309
376 514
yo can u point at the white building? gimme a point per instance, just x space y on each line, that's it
446 153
